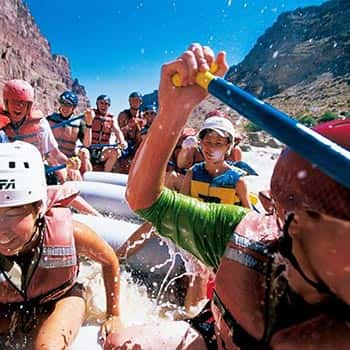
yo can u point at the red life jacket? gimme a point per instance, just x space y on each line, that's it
66 135
126 115
28 131
252 301
102 127
4 120
56 267
243 284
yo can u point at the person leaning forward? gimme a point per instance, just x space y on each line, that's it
282 280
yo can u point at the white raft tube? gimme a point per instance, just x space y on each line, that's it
106 198
106 177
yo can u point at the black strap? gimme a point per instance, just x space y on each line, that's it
286 249
240 336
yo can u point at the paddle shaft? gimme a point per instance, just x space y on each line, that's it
68 121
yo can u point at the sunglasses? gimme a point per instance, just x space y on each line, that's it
150 113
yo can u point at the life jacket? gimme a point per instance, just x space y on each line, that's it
132 126
66 135
126 115
55 267
102 127
252 300
247 277
4 119
218 189
28 131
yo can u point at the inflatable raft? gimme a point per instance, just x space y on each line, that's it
162 276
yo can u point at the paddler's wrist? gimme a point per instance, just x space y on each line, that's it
174 116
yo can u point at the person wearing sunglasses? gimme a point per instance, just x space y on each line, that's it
149 113
283 280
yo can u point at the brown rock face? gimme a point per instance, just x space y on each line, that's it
302 62
26 54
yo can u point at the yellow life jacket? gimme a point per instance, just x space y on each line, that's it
218 189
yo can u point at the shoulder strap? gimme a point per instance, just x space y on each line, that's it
286 249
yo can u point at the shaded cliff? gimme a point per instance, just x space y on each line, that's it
26 54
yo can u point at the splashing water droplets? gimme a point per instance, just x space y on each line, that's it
275 54
302 174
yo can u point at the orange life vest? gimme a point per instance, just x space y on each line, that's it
102 127
243 280
66 135
28 131
252 300
56 267
126 115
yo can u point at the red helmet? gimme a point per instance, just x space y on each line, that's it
17 89
297 183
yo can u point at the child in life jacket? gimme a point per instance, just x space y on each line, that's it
39 248
215 180
189 152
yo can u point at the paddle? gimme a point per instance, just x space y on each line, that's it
101 145
327 155
68 121
52 169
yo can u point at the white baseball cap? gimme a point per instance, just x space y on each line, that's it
220 125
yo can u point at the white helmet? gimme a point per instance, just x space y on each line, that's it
22 175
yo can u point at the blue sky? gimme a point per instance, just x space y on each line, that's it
116 47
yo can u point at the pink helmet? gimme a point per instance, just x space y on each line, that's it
18 90
296 183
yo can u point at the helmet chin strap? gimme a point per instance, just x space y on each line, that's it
286 249
37 231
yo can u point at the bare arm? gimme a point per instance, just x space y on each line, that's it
82 206
89 116
122 119
118 133
175 106
57 157
135 242
236 154
186 184
242 193
90 244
